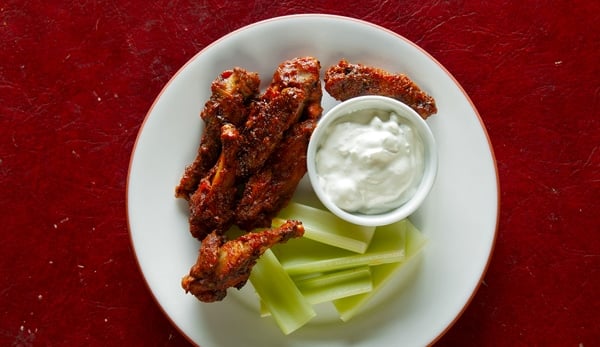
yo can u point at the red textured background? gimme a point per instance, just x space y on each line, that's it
77 78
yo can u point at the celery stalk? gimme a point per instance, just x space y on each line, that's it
279 294
336 285
331 286
325 227
350 306
303 256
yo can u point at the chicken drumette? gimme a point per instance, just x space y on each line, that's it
344 81
223 264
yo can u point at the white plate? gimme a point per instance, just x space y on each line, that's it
459 217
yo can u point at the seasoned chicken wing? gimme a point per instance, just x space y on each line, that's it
232 90
224 264
344 81
294 93
271 188
212 205
267 122
302 73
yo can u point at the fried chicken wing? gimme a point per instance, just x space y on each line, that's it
224 264
267 122
294 93
302 73
271 188
345 80
212 205
231 92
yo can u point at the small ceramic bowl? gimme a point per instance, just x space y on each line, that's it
347 111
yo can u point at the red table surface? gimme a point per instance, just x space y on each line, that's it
76 81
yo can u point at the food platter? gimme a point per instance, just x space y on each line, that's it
459 217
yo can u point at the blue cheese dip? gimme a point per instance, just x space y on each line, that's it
370 162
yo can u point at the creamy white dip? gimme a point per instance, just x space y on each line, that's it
370 162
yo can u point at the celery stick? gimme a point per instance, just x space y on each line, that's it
325 227
350 306
331 286
336 285
279 294
303 256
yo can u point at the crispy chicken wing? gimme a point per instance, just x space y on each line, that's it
223 264
344 81
267 122
212 205
231 92
271 188
302 73
294 93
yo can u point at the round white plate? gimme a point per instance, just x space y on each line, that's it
459 217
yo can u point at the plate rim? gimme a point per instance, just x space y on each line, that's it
315 16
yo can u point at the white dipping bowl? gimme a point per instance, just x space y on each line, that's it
407 116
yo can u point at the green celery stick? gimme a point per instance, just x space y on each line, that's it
279 294
303 256
331 286
336 285
325 227
350 306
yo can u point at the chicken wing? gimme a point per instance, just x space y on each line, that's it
224 264
344 81
302 73
212 205
294 93
271 188
231 92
